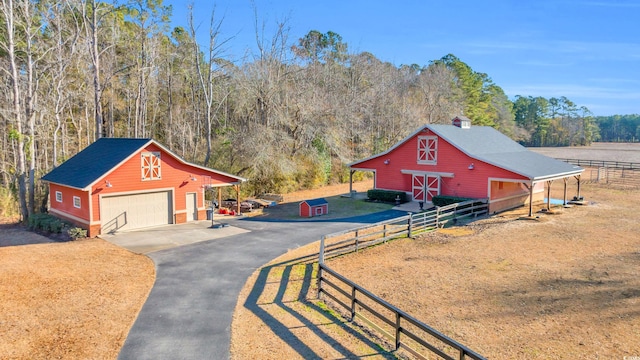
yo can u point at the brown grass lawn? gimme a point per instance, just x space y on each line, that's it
73 300
564 286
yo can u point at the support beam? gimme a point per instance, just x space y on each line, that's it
237 188
530 187
549 194
564 200
578 178
351 182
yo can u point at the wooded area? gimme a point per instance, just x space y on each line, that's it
288 116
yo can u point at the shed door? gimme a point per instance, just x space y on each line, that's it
192 208
425 187
128 212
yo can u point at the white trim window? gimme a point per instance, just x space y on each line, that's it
427 150
76 202
59 196
150 163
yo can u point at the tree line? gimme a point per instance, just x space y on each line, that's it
290 115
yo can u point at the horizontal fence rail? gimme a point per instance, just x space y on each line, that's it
407 330
620 173
353 240
404 330
603 163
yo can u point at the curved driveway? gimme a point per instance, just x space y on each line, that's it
189 310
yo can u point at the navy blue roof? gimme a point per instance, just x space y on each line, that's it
316 202
94 161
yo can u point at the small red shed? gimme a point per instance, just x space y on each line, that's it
314 207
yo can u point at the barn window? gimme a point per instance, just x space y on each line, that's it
150 165
76 202
59 196
427 150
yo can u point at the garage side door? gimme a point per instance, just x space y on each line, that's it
129 212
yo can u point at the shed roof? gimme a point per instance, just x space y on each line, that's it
315 202
98 159
487 144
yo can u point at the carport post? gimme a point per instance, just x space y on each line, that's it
549 194
351 182
531 199
564 200
237 187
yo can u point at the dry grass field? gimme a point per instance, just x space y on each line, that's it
627 152
563 287
71 300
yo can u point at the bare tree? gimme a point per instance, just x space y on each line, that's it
9 15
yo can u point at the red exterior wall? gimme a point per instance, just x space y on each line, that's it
66 206
465 183
127 179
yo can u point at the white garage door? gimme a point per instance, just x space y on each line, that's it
128 212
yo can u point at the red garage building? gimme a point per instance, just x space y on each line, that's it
466 161
315 207
125 184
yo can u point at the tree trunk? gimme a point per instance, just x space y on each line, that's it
8 7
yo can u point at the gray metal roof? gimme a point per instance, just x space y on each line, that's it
491 146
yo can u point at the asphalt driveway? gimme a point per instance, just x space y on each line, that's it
189 310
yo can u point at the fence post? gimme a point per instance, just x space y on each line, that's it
437 217
353 303
357 240
397 330
384 232
320 263
409 225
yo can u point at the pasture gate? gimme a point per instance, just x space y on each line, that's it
399 327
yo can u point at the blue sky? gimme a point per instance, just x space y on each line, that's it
586 50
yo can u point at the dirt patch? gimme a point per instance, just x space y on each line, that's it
68 300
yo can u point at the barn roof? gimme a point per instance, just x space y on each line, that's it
491 146
98 159
487 144
316 202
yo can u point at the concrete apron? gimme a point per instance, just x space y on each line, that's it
148 240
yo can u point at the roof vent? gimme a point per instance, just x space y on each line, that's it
461 122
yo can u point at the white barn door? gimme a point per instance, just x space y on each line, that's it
425 187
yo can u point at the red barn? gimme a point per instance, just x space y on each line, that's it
315 207
466 161
124 184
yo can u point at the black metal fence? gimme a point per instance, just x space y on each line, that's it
400 328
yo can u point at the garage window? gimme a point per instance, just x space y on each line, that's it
150 165
76 202
59 196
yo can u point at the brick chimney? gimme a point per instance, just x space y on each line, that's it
461 122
